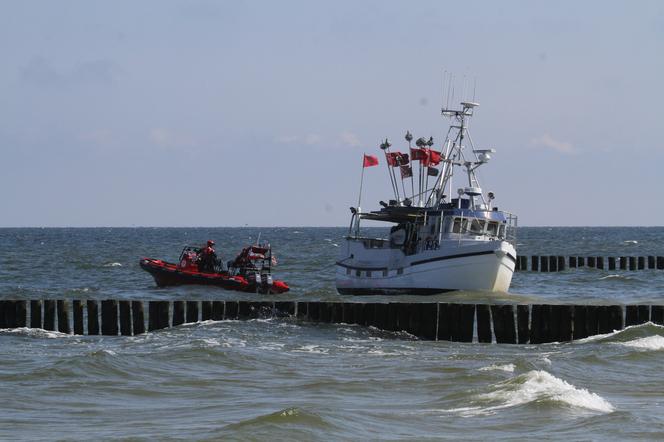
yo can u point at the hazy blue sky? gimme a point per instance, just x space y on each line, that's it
169 113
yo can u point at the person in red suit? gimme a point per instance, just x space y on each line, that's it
207 258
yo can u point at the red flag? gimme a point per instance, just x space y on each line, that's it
434 158
406 171
396 159
421 154
370 160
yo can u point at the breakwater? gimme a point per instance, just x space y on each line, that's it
552 263
483 323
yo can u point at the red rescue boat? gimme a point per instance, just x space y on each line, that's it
250 271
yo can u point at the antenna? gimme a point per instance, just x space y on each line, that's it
474 86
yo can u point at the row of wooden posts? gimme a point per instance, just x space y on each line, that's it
505 323
560 263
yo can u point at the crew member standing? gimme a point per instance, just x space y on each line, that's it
207 258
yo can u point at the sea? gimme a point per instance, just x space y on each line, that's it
285 379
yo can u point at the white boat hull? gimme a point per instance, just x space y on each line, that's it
487 266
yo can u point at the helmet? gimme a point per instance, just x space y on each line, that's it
210 243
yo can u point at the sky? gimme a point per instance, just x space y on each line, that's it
232 113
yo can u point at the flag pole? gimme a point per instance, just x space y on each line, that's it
359 199
409 138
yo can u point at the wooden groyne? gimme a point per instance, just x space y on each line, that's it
484 323
553 263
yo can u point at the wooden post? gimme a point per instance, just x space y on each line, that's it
192 311
206 310
369 314
632 262
231 309
631 315
660 262
77 307
109 317
603 321
324 310
358 313
483 323
544 263
428 315
623 263
651 262
125 318
657 314
287 308
572 262
642 262
534 263
35 314
137 317
463 322
522 321
348 313
600 262
63 316
93 317
178 313
21 310
539 324
581 261
554 321
592 324
561 263
643 313
579 314
503 323
313 311
553 264
612 263
615 317
49 315
153 315
591 262
566 313
444 322
301 310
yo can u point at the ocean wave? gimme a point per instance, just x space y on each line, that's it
34 333
630 241
649 343
633 332
536 387
616 277
288 416
113 264
509 368
311 349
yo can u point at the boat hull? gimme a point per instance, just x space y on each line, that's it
488 266
167 274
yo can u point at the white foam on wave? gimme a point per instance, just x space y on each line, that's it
509 368
630 241
34 333
539 385
113 264
532 387
614 276
311 349
651 343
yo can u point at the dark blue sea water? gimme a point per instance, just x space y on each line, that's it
284 379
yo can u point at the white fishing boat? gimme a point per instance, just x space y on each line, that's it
436 243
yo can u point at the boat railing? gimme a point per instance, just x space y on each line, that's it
469 227
371 243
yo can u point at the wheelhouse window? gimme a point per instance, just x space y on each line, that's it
477 226
492 228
